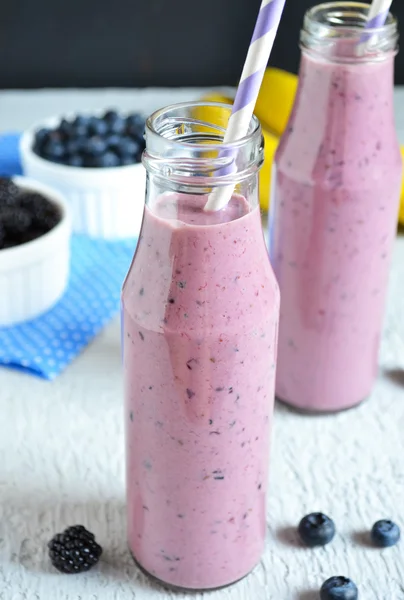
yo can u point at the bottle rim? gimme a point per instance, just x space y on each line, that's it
328 25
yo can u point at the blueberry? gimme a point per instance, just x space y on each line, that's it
81 120
97 126
385 533
128 146
316 529
65 128
110 115
135 124
127 160
89 161
53 150
338 588
74 145
109 159
75 160
116 123
95 146
113 141
41 137
79 131
80 125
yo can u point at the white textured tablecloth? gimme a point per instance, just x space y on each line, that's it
62 461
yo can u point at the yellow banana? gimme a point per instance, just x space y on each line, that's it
401 213
275 100
212 115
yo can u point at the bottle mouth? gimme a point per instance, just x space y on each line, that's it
341 27
185 141
198 124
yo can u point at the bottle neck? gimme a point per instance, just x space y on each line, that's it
336 32
185 151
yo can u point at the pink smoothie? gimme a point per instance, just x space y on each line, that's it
200 313
333 222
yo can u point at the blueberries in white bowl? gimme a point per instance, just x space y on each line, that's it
110 140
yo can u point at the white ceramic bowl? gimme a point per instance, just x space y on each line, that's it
33 276
105 202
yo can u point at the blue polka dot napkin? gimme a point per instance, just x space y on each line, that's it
47 344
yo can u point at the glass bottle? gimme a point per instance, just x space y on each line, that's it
200 314
334 210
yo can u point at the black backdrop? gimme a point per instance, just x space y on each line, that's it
94 43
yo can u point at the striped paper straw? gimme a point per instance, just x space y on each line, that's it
378 13
251 78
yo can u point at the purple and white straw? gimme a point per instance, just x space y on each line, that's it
378 13
250 82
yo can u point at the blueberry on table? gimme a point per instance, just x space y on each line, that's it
74 551
316 529
385 533
338 588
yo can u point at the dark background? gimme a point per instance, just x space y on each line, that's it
97 43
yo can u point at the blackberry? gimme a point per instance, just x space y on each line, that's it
74 551
2 236
45 215
15 220
8 192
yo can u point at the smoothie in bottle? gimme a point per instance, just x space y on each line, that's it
334 210
200 314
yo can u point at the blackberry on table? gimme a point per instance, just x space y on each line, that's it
74 551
